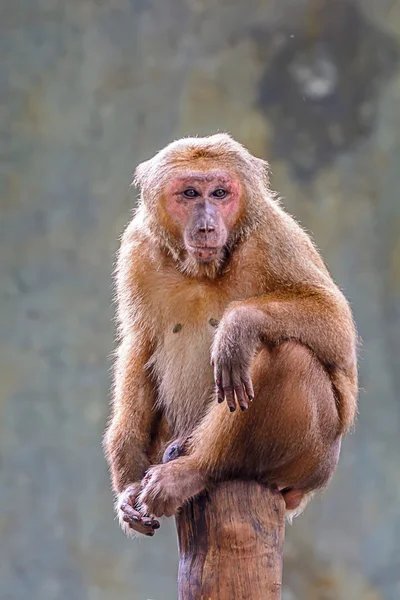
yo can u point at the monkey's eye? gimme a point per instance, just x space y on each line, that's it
220 193
190 193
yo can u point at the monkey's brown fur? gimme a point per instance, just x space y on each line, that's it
279 313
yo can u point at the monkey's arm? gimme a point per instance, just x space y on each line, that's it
128 435
319 318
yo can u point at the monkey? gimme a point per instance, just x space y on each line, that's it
237 352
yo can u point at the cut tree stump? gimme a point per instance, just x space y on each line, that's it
230 544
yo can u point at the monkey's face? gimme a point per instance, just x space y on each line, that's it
204 207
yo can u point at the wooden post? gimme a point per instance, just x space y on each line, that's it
230 544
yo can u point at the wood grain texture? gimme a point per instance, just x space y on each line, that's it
230 544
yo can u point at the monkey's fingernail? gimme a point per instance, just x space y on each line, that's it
156 525
147 523
150 534
128 518
232 408
220 399
242 407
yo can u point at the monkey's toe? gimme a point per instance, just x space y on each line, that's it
165 488
174 450
160 492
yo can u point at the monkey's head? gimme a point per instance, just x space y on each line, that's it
201 196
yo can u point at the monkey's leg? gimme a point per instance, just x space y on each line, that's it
319 320
289 436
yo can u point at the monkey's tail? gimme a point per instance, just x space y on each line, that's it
291 513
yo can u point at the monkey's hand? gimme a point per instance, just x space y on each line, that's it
233 350
167 487
132 516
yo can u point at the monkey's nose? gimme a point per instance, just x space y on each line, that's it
206 228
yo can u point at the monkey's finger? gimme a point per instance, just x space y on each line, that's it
136 520
228 388
140 528
151 522
131 494
248 386
220 389
130 514
239 390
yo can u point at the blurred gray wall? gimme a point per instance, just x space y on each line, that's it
88 89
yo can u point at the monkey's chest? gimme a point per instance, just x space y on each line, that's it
188 316
183 370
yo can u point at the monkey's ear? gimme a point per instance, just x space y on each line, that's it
141 173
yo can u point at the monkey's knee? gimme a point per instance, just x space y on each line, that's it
176 449
296 356
303 379
287 363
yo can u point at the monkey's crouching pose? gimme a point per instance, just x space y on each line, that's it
236 347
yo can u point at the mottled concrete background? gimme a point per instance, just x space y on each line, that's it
88 89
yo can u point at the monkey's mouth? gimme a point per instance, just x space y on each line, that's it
204 254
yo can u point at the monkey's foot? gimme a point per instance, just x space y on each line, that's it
132 517
167 487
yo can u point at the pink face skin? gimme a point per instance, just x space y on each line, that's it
204 205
